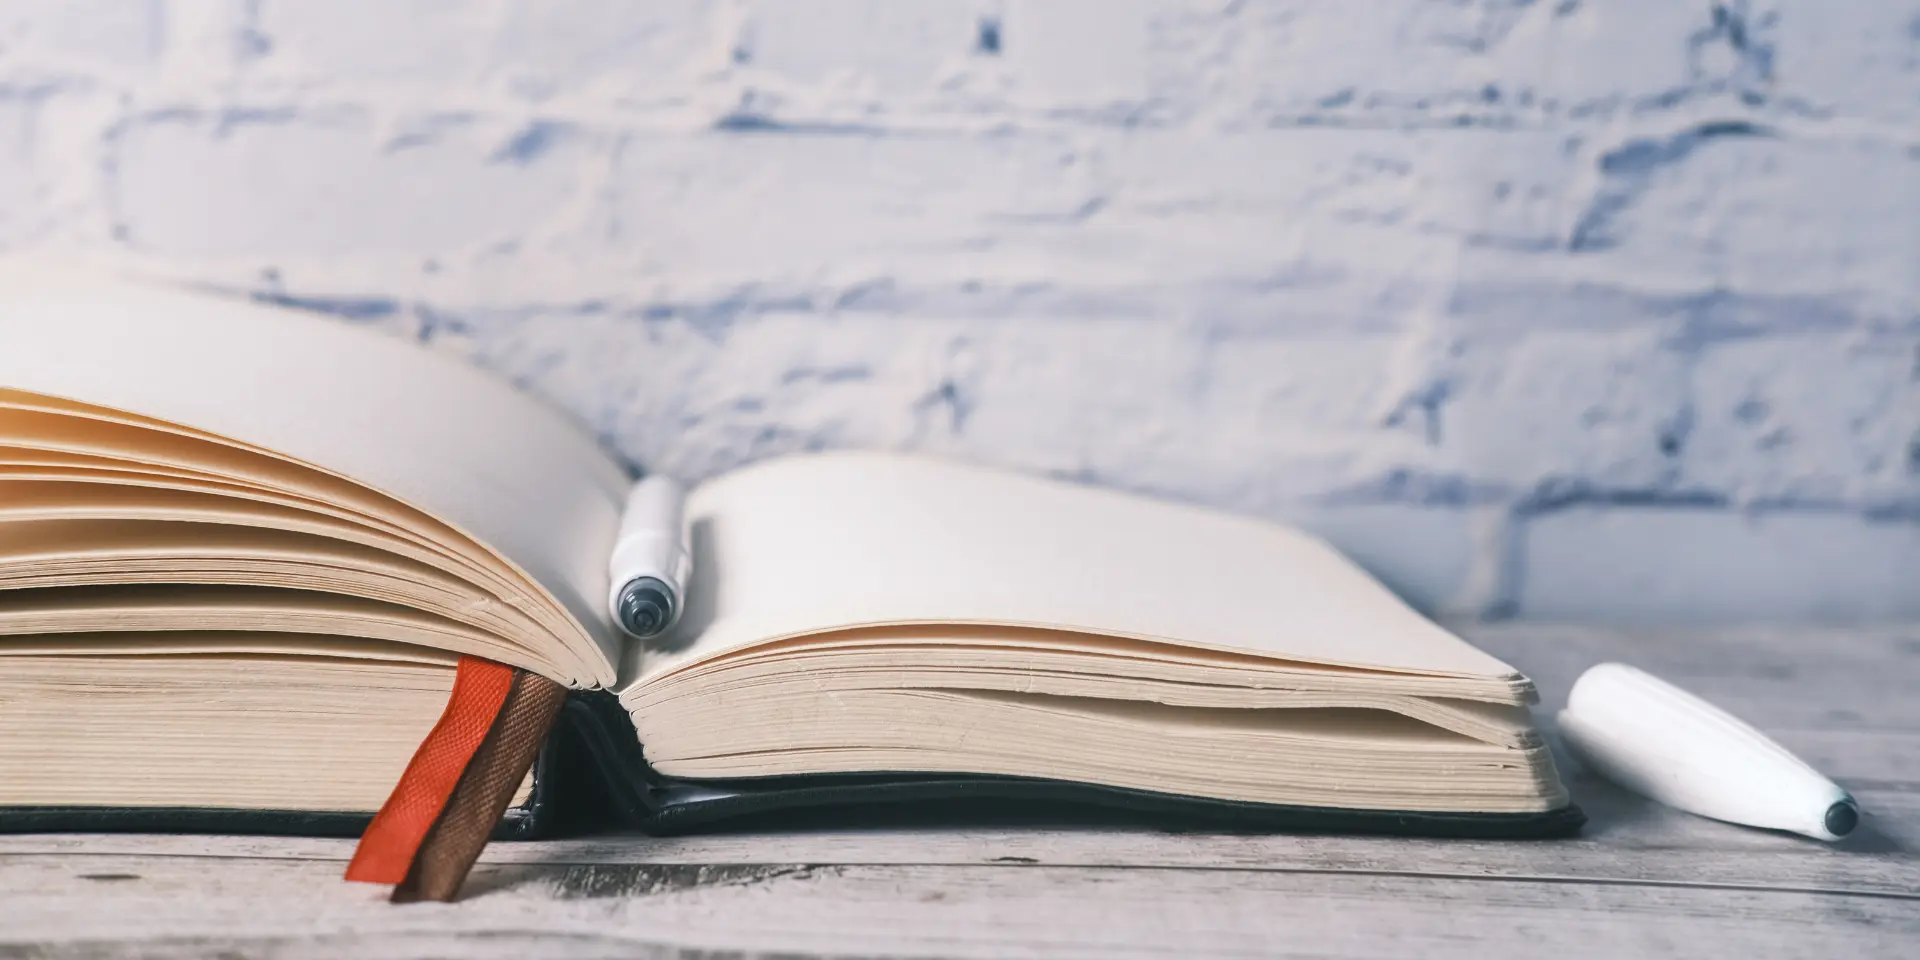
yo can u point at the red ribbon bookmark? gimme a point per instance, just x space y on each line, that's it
387 849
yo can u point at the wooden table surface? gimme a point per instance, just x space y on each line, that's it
1640 881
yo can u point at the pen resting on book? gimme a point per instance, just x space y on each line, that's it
650 560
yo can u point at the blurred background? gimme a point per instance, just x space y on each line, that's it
1560 309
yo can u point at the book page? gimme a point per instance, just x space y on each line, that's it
834 541
496 464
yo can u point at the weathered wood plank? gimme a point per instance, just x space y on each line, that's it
1657 846
980 911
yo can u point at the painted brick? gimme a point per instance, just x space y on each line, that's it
1732 205
18 200
1505 297
1123 400
1497 407
332 185
1377 204
1856 58
630 53
1674 565
1490 62
374 44
467 51
1577 57
779 206
873 50
785 383
1152 406
1373 210
718 392
1090 54
1252 423
1828 419
81 37
1278 60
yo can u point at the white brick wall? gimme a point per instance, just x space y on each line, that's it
1555 308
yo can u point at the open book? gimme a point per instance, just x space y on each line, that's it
242 548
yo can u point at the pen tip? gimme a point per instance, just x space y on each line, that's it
1842 817
646 607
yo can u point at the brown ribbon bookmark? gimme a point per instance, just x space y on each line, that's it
441 814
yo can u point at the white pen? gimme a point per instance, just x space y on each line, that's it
1662 742
650 561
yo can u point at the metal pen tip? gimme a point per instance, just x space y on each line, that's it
1842 817
646 607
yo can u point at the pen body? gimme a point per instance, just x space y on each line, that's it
651 561
1664 743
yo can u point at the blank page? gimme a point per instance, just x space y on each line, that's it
833 541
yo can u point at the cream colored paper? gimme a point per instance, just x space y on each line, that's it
513 475
225 721
827 542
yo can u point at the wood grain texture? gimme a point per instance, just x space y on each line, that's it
1640 881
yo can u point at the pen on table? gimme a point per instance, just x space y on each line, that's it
1662 742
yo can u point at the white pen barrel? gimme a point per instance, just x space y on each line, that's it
650 561
1666 744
